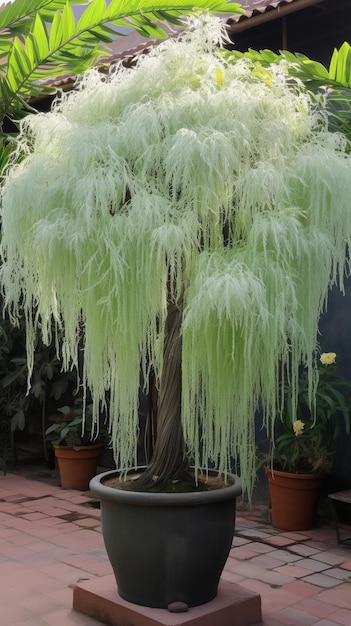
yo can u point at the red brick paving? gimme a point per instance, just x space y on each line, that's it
50 539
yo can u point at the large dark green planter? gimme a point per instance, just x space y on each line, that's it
167 548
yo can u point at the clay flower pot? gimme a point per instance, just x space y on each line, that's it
293 499
77 465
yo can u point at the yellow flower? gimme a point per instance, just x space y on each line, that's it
328 358
298 427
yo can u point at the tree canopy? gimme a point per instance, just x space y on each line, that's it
190 181
42 39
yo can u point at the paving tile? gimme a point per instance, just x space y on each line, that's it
302 589
329 558
9 532
37 604
89 564
259 548
14 552
293 570
266 561
278 540
329 622
311 564
87 522
322 580
53 511
269 621
340 597
296 617
303 549
12 612
253 533
244 523
239 541
278 579
29 622
18 539
42 556
295 536
285 556
316 607
35 516
343 616
61 596
68 617
259 586
242 554
321 545
52 522
340 573
231 577
78 499
246 569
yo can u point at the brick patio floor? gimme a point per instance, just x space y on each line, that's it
50 539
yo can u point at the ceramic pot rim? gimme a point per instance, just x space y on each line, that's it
103 492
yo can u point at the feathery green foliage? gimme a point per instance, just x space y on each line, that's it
42 40
189 179
334 82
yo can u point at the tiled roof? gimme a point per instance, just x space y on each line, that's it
126 49
275 8
253 7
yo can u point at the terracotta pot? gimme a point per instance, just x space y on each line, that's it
294 499
77 465
167 547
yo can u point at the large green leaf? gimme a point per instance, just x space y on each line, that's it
41 39
335 80
70 47
340 65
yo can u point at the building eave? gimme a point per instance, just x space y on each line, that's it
264 12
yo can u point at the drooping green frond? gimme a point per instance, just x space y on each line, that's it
313 73
190 179
98 23
16 18
334 82
41 39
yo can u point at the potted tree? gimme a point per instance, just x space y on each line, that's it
303 452
189 215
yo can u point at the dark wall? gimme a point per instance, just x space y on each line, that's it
314 31
335 336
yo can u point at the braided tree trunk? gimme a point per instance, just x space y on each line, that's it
169 461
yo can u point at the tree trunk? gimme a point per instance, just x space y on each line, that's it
169 461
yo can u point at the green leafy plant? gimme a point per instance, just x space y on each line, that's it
308 442
24 397
75 430
188 216
333 83
41 40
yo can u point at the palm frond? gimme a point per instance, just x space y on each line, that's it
32 49
334 81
